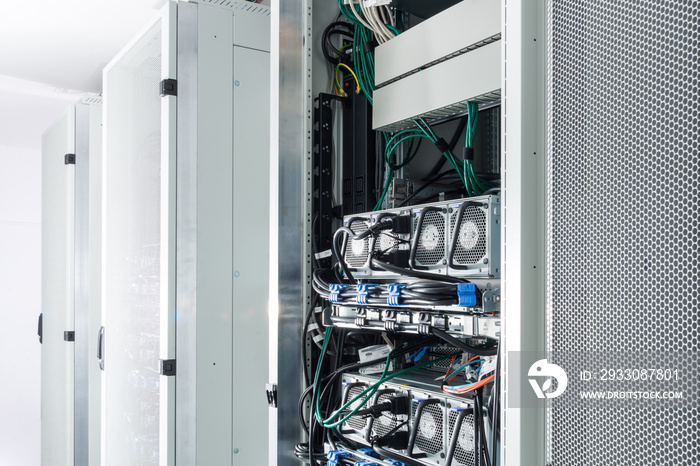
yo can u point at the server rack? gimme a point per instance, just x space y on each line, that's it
574 80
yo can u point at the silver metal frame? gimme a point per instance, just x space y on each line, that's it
82 284
298 72
523 247
289 117
186 255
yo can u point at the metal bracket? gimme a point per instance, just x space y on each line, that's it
167 367
69 159
168 87
271 392
69 336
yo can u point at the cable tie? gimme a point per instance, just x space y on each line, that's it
466 292
335 289
323 254
363 291
395 293
468 153
312 327
442 145
369 47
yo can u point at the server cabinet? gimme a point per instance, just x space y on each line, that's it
599 228
71 221
186 130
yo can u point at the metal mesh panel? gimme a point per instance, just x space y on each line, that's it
464 453
429 438
622 223
356 423
471 236
385 243
431 239
356 251
133 253
387 421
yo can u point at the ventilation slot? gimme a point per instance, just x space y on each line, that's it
470 246
386 422
430 248
355 423
464 448
429 438
356 251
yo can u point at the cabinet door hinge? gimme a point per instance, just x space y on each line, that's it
69 159
167 367
271 392
69 335
168 87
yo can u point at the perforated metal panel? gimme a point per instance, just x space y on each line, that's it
430 428
386 422
357 250
622 222
471 236
356 423
464 451
386 243
431 239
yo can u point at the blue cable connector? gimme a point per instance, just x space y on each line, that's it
395 293
466 292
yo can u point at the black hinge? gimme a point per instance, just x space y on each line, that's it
167 367
69 336
69 159
271 392
168 87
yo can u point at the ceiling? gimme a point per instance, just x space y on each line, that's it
52 52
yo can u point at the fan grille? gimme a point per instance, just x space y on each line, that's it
355 422
464 453
356 251
385 243
430 249
471 236
429 437
387 421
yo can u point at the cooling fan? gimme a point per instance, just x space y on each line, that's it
468 233
386 422
427 427
461 425
355 425
428 247
357 250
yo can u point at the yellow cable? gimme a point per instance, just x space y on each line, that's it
357 81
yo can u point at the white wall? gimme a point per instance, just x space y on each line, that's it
20 302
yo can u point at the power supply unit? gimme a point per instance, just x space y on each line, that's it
437 429
454 238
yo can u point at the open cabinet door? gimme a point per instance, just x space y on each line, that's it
138 249
57 298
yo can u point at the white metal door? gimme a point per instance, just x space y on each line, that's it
138 249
